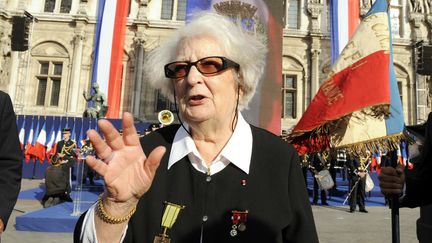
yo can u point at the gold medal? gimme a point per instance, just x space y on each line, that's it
169 217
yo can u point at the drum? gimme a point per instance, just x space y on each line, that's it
369 183
324 180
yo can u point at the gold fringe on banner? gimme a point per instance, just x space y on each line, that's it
386 143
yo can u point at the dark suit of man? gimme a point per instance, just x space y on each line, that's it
418 187
57 176
10 159
357 184
318 165
418 183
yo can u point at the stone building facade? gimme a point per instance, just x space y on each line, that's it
51 76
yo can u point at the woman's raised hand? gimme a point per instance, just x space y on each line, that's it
128 173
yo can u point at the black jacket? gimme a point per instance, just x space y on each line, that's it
275 196
10 158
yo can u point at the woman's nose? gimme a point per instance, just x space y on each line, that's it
194 76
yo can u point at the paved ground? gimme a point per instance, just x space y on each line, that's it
334 224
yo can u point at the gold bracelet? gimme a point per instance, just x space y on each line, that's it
102 214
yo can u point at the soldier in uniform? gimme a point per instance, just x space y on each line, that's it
87 149
318 164
57 176
357 176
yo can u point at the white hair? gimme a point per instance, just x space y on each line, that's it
243 47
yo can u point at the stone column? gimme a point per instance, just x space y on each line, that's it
82 7
138 77
14 67
314 71
76 72
141 9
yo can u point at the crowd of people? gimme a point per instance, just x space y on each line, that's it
227 180
324 167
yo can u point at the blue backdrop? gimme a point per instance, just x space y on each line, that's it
78 126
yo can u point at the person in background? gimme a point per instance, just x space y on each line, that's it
318 164
231 181
147 131
357 181
86 150
414 186
57 176
10 160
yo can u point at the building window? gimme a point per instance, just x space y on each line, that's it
396 17
173 10
292 14
57 6
65 6
163 103
49 82
49 6
399 83
325 17
289 96
181 9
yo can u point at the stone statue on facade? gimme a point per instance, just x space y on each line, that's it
417 6
429 6
99 107
5 57
367 3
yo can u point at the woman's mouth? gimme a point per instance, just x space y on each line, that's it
196 99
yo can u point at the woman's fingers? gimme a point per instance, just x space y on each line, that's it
101 147
97 165
153 160
111 135
130 136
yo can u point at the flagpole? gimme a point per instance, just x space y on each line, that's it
394 201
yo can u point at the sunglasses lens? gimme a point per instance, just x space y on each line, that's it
210 65
176 69
207 65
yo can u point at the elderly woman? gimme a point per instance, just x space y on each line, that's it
234 182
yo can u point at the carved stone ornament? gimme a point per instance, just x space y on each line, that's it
416 19
429 20
82 7
142 9
314 9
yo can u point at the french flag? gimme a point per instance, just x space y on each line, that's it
109 49
344 19
22 135
50 142
39 147
358 106
82 139
58 137
29 145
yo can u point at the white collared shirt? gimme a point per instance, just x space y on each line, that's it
238 151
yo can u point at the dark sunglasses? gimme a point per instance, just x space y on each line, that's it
206 65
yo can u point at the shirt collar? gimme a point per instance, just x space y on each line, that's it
238 150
